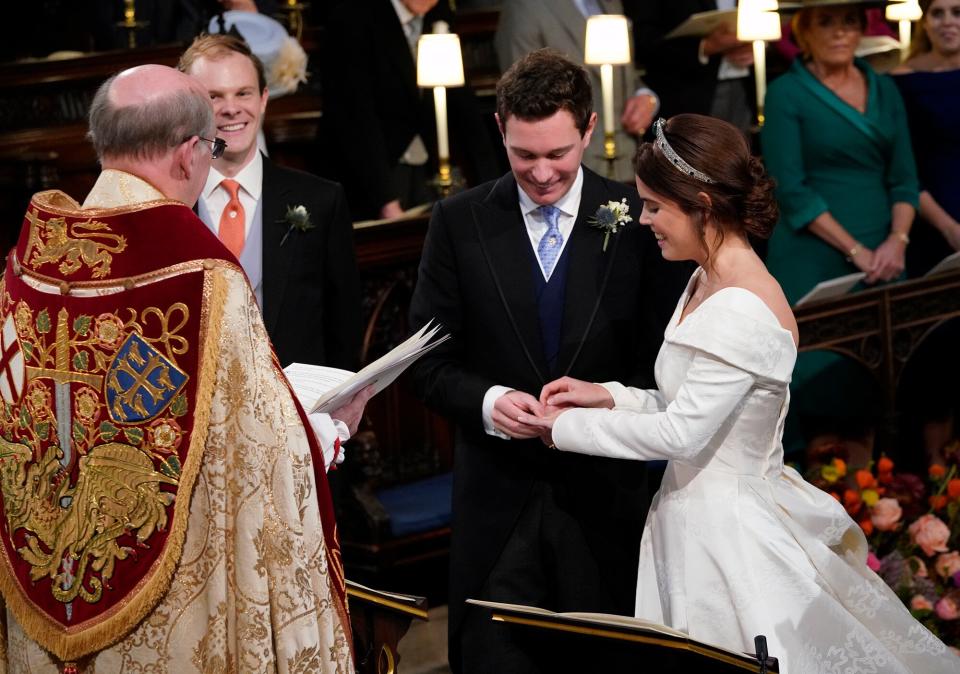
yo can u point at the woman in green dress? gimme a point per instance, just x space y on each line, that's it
837 143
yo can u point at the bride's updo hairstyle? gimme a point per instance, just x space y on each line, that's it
706 155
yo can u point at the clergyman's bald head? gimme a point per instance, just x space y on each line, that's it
145 111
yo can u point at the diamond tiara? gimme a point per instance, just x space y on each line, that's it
675 159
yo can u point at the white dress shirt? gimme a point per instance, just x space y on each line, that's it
536 224
215 197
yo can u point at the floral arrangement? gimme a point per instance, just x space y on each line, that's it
611 217
912 526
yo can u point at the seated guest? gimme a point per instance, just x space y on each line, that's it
707 76
290 230
526 25
378 133
930 85
835 140
165 501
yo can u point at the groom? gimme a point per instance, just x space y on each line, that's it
531 291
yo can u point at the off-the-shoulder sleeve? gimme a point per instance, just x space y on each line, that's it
735 346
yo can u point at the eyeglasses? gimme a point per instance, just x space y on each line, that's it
217 146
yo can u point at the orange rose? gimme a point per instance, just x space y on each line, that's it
953 488
840 465
938 501
937 471
867 526
884 465
865 479
852 501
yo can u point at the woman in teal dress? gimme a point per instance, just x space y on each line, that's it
837 143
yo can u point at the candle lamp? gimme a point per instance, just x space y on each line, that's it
904 13
758 22
130 23
607 44
292 12
440 65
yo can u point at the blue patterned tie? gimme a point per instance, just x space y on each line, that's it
548 250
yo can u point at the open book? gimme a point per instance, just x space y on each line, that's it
835 287
324 389
610 619
949 263
702 24
614 625
413 212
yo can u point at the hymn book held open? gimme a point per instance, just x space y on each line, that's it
325 389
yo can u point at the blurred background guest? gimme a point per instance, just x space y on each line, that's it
835 142
930 85
707 76
378 133
526 25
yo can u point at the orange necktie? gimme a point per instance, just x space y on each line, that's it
232 220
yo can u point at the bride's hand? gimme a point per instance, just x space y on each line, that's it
544 423
570 392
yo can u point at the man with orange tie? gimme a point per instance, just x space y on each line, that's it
291 231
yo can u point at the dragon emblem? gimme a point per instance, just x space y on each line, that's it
72 530
82 243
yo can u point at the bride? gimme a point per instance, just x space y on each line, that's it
736 544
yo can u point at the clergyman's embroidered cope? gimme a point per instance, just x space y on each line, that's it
161 503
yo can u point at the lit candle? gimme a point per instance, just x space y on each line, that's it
440 103
760 75
606 84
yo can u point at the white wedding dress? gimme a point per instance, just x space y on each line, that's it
737 544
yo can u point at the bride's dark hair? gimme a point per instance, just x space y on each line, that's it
741 196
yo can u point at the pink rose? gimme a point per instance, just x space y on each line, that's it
920 603
872 562
947 609
930 533
948 564
886 514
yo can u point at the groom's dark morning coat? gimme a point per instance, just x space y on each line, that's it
477 278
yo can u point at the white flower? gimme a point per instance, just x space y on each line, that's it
611 217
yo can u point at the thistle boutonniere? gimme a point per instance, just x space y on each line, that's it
611 217
298 217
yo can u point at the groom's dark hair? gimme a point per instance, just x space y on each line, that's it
540 84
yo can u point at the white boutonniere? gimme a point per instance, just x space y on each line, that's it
611 217
298 217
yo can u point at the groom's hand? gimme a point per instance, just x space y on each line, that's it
509 407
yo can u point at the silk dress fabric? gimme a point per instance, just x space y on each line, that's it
252 592
736 543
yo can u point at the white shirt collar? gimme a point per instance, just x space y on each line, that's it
404 14
250 178
569 203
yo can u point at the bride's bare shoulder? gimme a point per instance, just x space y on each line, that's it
765 286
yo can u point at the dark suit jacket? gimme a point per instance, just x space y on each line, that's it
476 278
372 107
311 290
672 67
